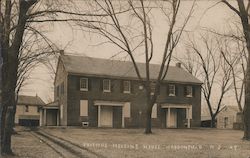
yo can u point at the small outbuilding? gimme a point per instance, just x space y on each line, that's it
227 117
27 110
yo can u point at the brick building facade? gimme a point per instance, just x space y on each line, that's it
106 93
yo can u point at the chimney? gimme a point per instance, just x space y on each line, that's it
61 52
178 65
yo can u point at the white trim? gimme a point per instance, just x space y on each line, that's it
45 117
176 106
168 118
189 114
99 115
61 111
108 103
124 105
41 118
87 84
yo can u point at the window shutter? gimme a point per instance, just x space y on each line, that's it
132 87
193 91
126 109
176 90
83 107
185 90
101 84
112 85
89 84
167 86
121 86
78 84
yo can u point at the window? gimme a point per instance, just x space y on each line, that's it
171 90
126 87
106 85
189 91
83 107
38 109
84 84
26 108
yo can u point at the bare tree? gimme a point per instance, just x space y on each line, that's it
139 38
243 12
206 63
236 59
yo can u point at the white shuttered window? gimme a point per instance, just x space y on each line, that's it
84 108
154 111
126 109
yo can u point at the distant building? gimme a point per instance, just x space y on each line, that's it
27 110
50 114
227 117
106 93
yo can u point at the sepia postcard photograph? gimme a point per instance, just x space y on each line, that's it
124 79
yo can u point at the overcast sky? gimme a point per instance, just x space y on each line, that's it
77 42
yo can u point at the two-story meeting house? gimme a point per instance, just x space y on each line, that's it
98 92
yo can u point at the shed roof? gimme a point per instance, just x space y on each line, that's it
30 100
124 69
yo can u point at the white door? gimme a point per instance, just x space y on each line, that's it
172 123
106 116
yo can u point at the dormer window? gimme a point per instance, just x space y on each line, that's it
126 87
84 84
106 85
171 90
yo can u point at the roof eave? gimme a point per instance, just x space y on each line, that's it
128 78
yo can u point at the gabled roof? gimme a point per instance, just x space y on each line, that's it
52 105
122 69
30 100
228 107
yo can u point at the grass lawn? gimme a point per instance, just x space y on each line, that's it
25 145
165 143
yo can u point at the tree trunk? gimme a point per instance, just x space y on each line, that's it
10 58
246 28
8 133
10 101
1 105
148 123
246 110
148 119
213 122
